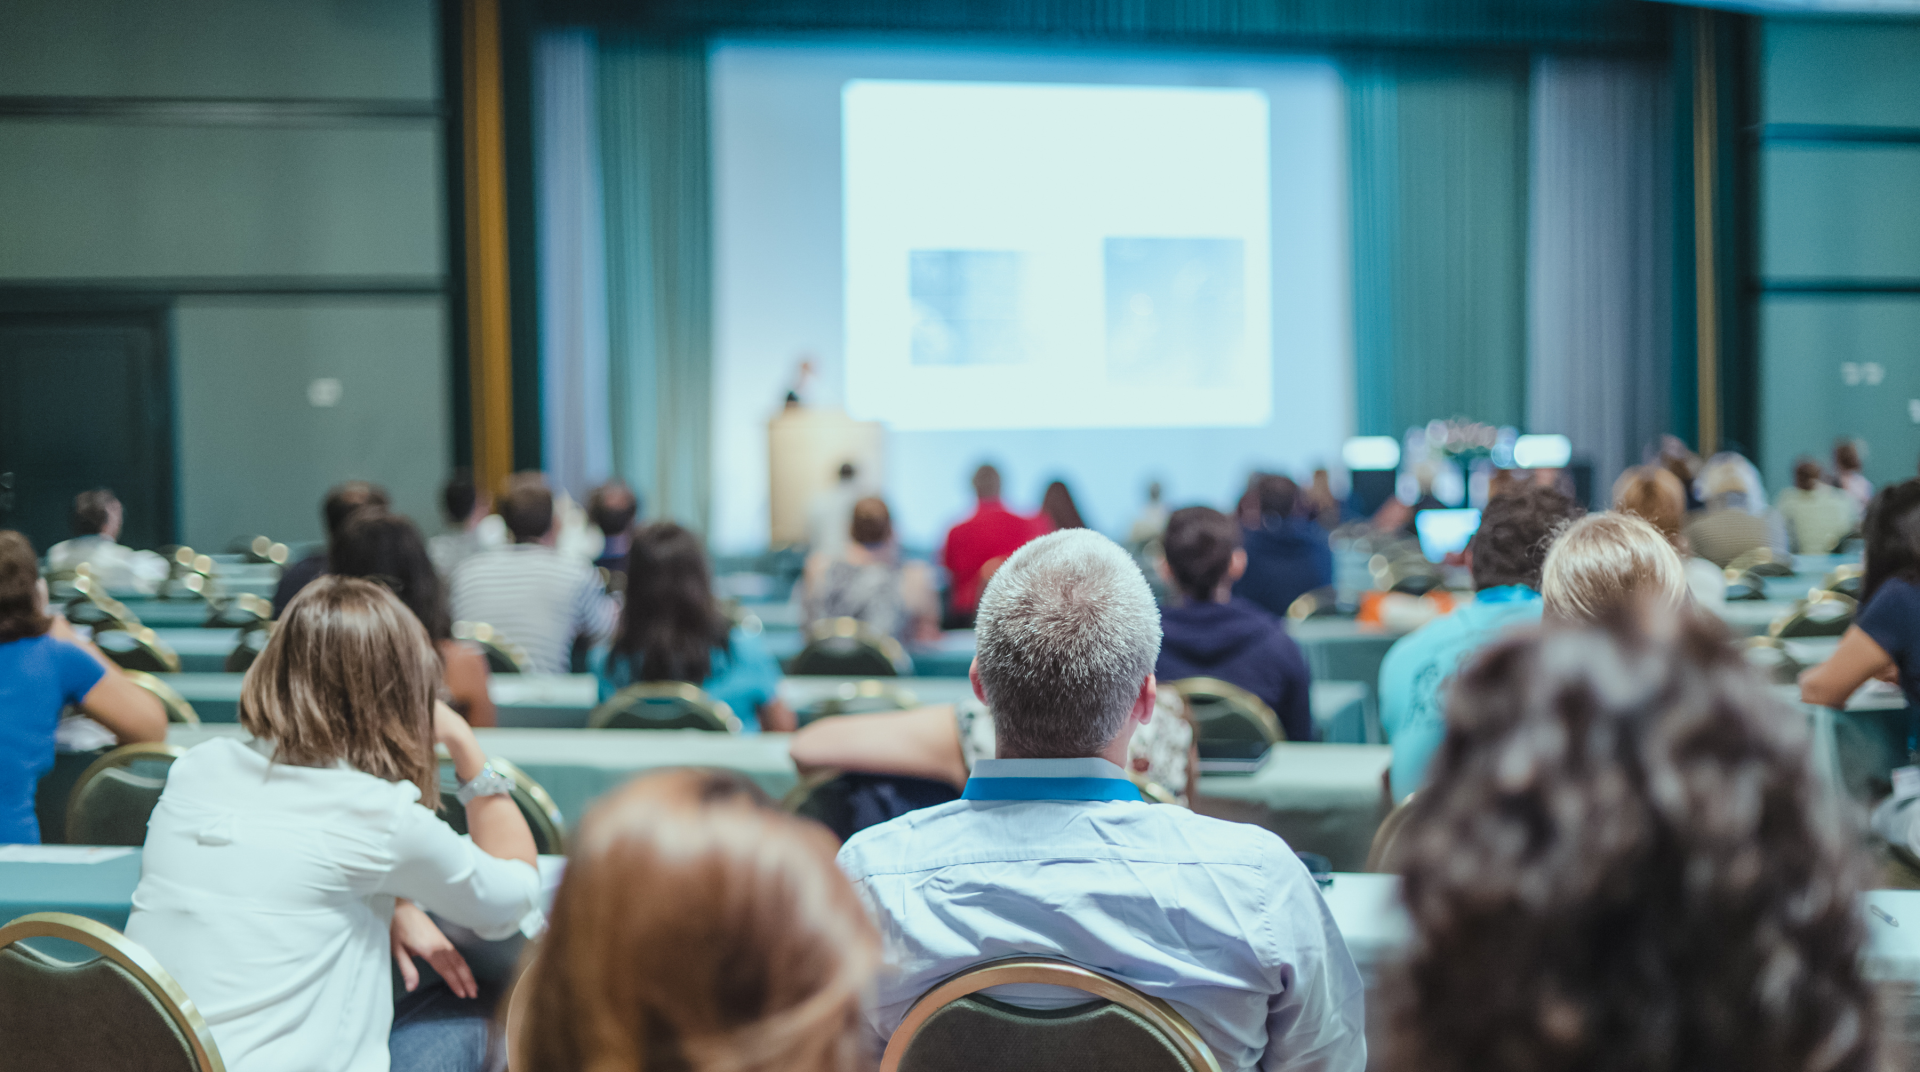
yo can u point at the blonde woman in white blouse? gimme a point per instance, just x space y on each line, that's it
272 866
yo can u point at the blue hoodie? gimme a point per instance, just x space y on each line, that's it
1242 645
1287 557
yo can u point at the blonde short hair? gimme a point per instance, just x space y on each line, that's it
1605 562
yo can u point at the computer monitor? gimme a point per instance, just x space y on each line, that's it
1445 532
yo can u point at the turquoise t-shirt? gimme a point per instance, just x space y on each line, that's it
1419 664
744 675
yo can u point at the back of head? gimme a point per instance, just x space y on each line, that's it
1067 633
1058 505
1846 456
1199 546
612 507
20 613
1806 474
92 510
1604 564
1515 530
344 499
1892 531
348 674
986 483
1622 860
1655 496
847 472
1277 495
387 548
670 622
1727 474
872 522
527 507
696 929
459 495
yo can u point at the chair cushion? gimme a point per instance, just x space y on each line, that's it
115 808
843 657
88 1017
979 1034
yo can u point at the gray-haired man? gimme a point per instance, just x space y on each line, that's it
1052 852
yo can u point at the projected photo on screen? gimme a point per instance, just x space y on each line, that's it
1056 255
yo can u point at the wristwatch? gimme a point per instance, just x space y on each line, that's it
488 783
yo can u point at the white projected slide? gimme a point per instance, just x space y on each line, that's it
1056 256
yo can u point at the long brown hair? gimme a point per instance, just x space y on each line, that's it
1622 862
349 674
20 613
697 931
671 623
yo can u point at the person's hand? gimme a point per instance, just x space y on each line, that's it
414 935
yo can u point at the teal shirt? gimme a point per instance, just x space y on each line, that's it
744 676
1419 664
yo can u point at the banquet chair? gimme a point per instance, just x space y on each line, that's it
91 606
1382 856
1845 580
850 801
1769 655
138 648
860 698
1746 585
118 1011
848 647
240 611
1821 614
114 797
503 655
1760 560
1315 604
955 1028
264 549
253 640
663 705
1229 722
536 805
178 709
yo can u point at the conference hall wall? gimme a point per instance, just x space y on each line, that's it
269 178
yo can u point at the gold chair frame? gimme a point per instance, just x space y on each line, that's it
1798 611
1213 687
1380 852
1051 972
136 961
254 608
147 641
856 630
1761 561
178 709
693 695
493 640
124 756
872 688
1311 605
534 800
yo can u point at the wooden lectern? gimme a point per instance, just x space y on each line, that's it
805 449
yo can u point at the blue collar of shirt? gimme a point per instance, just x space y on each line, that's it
1088 778
1506 593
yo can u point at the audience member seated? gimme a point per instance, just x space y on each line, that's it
341 502
44 667
1057 509
1051 851
867 580
1818 515
1287 556
1504 558
1607 564
1624 861
1734 519
982 541
1151 522
530 593
612 507
672 629
387 548
1657 497
96 534
830 511
697 928
472 526
1208 632
1884 640
1318 504
1847 474
272 865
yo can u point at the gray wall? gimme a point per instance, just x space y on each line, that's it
299 227
1839 250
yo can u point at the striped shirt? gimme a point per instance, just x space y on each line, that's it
536 598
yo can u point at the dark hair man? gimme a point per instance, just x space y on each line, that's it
96 545
341 503
536 597
1287 554
612 507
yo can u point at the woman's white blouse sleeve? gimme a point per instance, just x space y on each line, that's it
446 873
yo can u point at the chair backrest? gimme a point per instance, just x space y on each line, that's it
847 803
118 1012
240 611
1769 655
848 647
137 649
1821 614
1315 604
178 709
536 806
663 705
1845 580
1382 855
92 606
1745 585
1761 561
860 698
114 797
253 640
954 1028
1229 721
503 655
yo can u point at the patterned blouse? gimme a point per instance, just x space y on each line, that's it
1160 751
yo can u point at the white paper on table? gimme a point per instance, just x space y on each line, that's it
61 854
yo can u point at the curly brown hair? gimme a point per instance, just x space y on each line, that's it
1622 861
1515 530
20 613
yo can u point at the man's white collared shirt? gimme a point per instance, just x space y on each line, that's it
1219 919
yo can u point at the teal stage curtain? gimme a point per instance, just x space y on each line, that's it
1439 160
655 166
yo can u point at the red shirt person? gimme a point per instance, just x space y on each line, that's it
986 538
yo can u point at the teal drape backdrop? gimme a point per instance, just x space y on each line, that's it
654 168
1439 173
